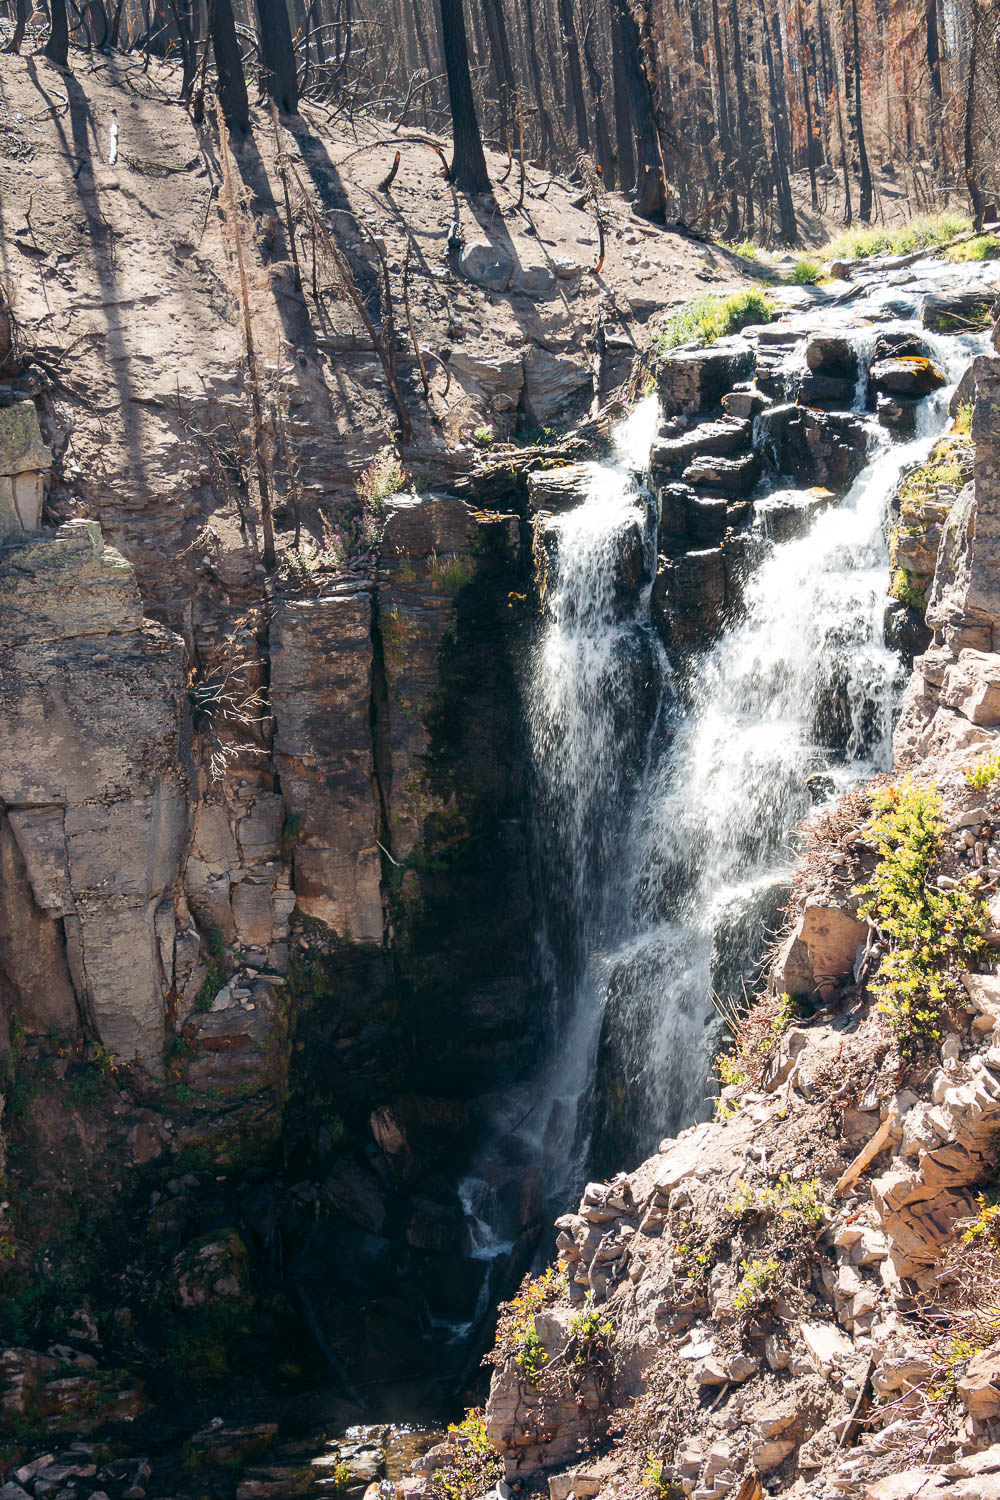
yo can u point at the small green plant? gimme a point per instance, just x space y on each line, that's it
962 425
383 477
656 1478
754 1033
483 436
906 590
590 1331
291 827
787 1199
517 1337
756 1287
712 316
984 771
931 934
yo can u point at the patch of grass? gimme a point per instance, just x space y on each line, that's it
983 247
983 772
451 574
712 316
805 271
931 934
903 588
962 425
919 234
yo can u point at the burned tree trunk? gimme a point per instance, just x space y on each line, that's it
623 107
468 167
574 73
232 84
277 54
57 46
651 193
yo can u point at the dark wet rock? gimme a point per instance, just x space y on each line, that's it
832 355
706 520
906 375
743 403
960 311
906 631
669 457
899 345
689 596
826 390
414 1131
558 489
899 413
355 1193
436 1227
224 1445
734 476
212 1270
688 380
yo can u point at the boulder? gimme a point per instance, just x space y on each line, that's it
972 686
669 456
486 265
959 311
825 390
979 1387
211 1271
559 489
906 375
820 953
555 386
533 281
25 462
833 355
734 476
899 413
414 1131
894 345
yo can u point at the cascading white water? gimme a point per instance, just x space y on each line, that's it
664 823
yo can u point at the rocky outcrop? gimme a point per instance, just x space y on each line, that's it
92 776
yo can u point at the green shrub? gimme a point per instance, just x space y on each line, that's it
932 934
712 316
476 1466
984 771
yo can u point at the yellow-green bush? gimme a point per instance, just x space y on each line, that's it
932 934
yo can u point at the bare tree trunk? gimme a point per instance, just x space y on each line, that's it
277 54
545 132
651 192
623 107
232 84
57 46
20 26
976 198
865 187
468 167
574 73
602 138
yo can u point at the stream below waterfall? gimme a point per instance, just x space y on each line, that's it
667 793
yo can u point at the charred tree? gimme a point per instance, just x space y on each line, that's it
574 73
231 82
864 170
468 167
622 107
651 193
57 46
278 55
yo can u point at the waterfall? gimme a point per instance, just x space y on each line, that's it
665 809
